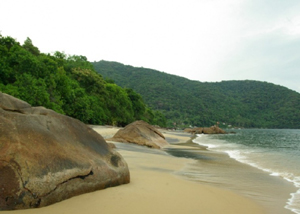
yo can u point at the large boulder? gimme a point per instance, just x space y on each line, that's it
46 157
141 133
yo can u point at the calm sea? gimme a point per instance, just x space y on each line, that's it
270 172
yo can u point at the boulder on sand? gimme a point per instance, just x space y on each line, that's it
46 157
141 133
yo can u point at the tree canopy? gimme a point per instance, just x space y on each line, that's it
184 102
116 94
68 84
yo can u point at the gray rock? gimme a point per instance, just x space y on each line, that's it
46 157
141 133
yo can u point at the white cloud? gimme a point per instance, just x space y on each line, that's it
293 26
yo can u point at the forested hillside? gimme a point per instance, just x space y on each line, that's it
68 85
185 102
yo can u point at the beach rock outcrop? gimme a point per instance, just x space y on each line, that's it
194 130
141 133
46 157
205 130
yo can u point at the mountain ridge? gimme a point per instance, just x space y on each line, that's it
242 103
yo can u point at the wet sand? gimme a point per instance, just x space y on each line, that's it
218 169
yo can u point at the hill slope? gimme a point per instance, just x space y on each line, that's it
185 102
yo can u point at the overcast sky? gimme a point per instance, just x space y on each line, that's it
205 40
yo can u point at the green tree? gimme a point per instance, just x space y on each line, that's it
30 47
33 90
239 103
119 104
66 84
138 104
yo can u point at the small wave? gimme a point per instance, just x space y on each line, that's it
293 203
241 156
252 157
208 145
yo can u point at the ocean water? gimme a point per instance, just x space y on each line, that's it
273 157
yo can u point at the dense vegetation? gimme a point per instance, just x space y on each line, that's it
68 85
185 102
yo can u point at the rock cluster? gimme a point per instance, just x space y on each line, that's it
141 133
46 157
205 130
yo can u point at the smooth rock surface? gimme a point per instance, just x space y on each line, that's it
141 133
46 157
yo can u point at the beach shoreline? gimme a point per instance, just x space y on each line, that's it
224 170
154 188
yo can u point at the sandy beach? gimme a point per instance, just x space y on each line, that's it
154 188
